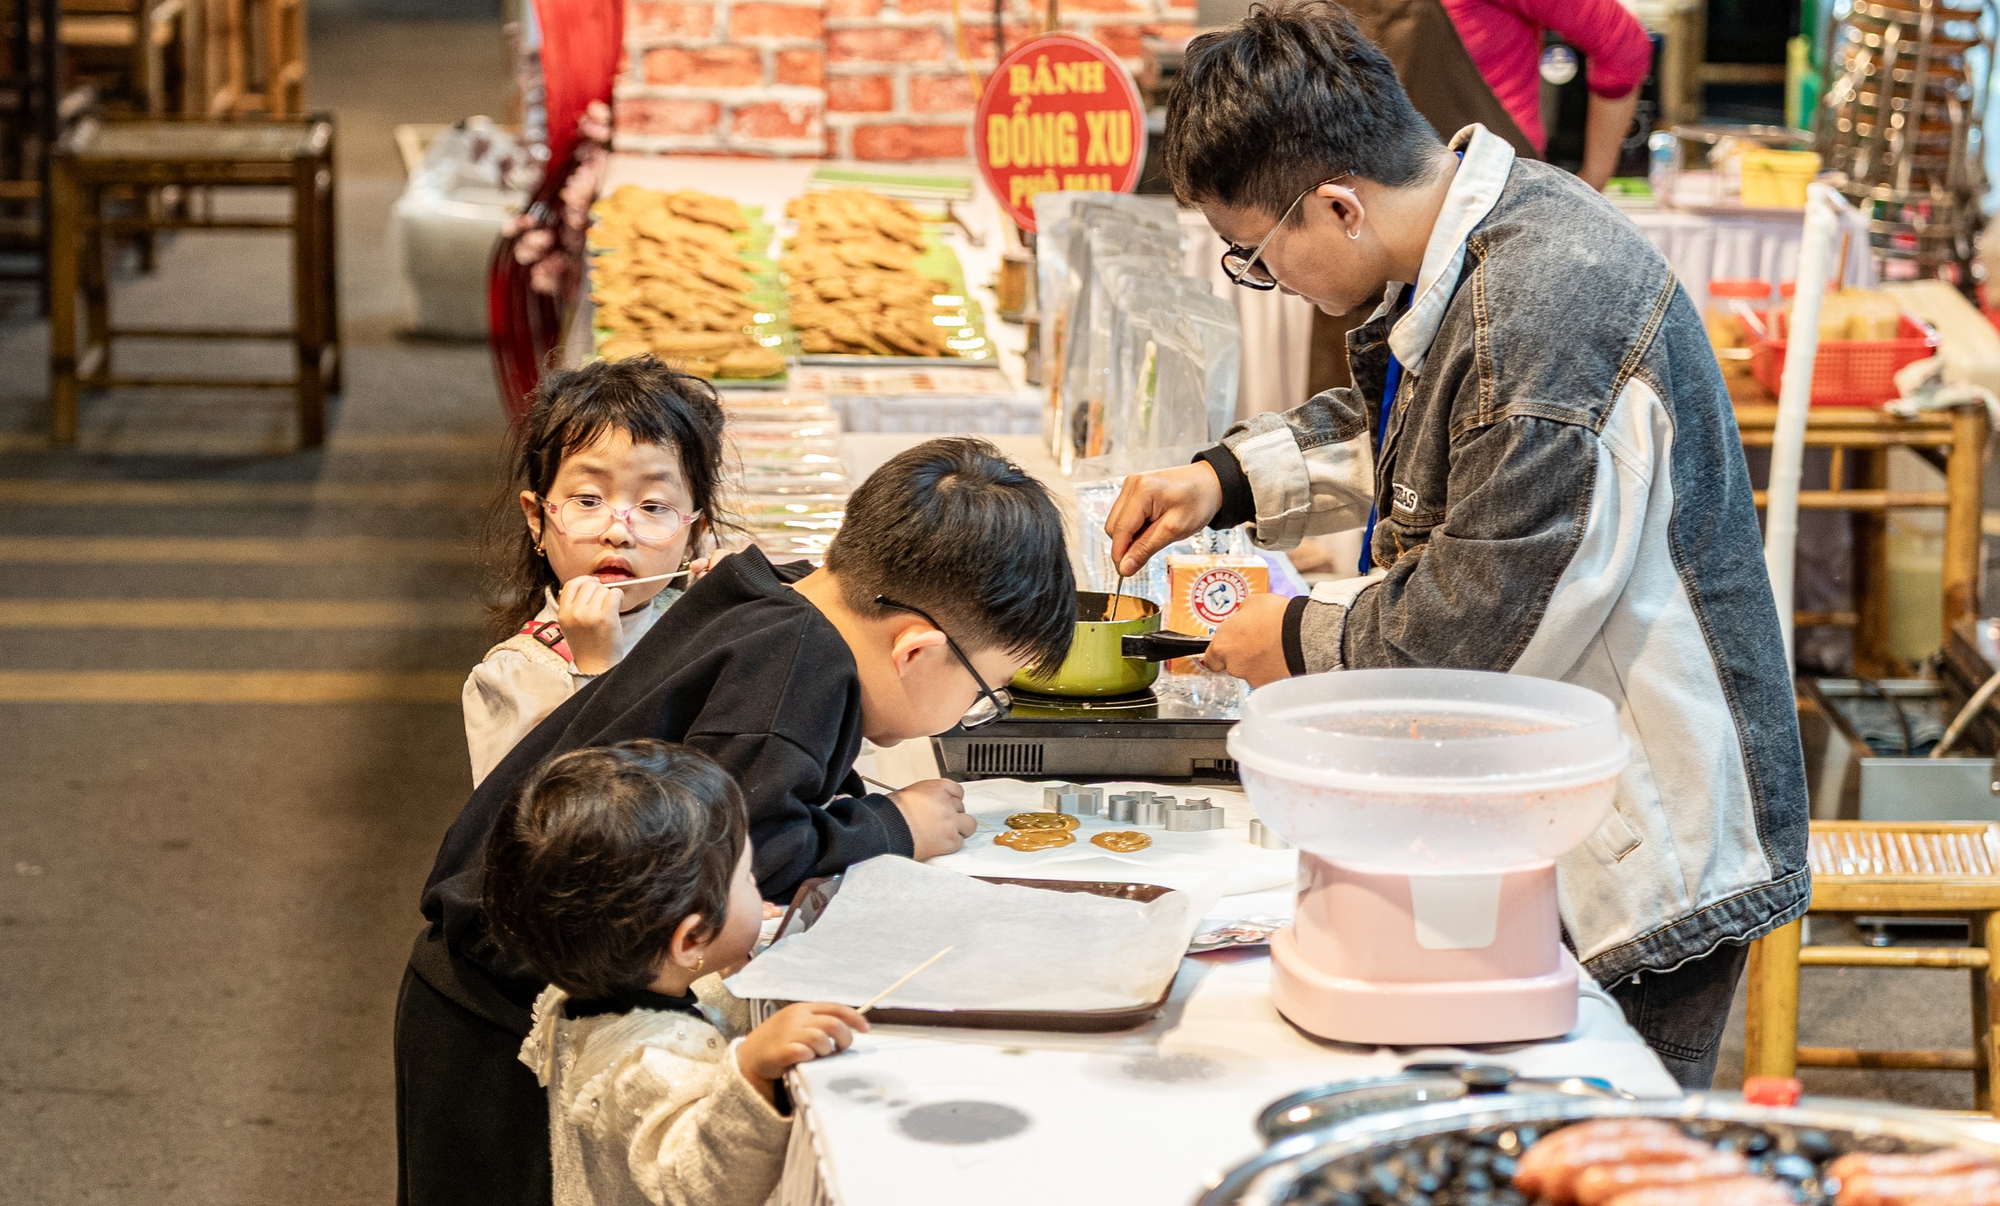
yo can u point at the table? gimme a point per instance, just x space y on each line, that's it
1858 482
1145 1116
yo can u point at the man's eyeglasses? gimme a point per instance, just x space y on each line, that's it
586 516
992 704
1246 268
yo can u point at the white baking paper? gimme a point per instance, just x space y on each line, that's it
1012 947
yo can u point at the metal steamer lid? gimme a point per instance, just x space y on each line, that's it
1323 1106
1274 1175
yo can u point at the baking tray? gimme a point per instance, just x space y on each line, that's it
813 896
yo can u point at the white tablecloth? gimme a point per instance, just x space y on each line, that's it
922 1115
1702 247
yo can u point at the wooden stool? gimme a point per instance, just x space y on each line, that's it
1940 869
102 156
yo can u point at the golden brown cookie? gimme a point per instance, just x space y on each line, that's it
1122 841
1041 820
1027 841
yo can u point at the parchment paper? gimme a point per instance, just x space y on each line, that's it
1013 948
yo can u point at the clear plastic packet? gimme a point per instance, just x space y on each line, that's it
1100 250
1214 322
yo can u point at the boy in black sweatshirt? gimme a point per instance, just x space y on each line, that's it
948 576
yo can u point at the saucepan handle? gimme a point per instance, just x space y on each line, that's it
1159 646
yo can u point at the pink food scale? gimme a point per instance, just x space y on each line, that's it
1428 807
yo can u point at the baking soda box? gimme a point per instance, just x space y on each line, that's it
1204 589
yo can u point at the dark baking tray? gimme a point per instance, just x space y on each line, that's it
811 900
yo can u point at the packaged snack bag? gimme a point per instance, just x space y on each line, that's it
1204 589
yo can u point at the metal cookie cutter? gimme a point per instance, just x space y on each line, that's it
1194 816
1267 837
1149 809
1074 799
1122 809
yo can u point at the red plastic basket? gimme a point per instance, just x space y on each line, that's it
1847 372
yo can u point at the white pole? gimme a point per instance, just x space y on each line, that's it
1781 511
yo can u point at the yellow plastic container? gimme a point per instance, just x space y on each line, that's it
1777 179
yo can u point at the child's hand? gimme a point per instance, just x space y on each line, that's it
588 612
934 809
794 1035
701 567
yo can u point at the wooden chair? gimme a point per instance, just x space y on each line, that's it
100 157
143 33
1938 869
248 58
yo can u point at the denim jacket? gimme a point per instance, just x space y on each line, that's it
1562 493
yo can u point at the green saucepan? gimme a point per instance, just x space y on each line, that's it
1113 656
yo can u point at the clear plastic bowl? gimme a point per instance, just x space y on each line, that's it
1429 771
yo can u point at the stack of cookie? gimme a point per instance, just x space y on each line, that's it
851 274
669 278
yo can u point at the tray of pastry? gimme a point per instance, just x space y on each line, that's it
685 275
868 280
813 896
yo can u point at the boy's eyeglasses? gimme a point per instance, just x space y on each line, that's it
992 704
586 516
1246 268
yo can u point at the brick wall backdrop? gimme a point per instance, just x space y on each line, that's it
861 79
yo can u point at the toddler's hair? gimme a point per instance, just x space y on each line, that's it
645 398
955 528
603 852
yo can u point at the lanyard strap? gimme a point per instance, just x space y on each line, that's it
1391 382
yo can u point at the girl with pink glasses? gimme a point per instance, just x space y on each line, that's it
618 468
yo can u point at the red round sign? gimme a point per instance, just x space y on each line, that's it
1061 112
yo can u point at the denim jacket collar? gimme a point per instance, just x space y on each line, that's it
1474 190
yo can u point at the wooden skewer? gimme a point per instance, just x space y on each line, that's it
906 979
680 573
983 826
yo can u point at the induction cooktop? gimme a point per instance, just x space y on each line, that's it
1173 735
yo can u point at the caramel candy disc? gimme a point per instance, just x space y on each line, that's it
1041 820
1122 841
1029 840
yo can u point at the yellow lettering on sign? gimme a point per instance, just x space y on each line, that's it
1119 135
1065 140
1093 122
996 141
1045 83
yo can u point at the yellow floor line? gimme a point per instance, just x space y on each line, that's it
276 443
238 613
72 551
70 492
225 687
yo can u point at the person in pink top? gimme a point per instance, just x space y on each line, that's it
1504 38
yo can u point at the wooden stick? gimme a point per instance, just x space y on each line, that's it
680 573
906 979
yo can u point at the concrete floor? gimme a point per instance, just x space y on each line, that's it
205 906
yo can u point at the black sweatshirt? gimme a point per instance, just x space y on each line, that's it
745 670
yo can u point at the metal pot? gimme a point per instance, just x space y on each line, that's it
1323 1106
1113 657
1297 1166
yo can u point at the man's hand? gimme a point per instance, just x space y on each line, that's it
1155 509
588 613
934 809
794 1035
1250 644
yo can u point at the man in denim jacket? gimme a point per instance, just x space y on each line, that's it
1558 489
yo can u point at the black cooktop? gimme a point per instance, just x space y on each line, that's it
1172 736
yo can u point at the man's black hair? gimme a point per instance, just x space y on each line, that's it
958 530
603 852
1291 96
